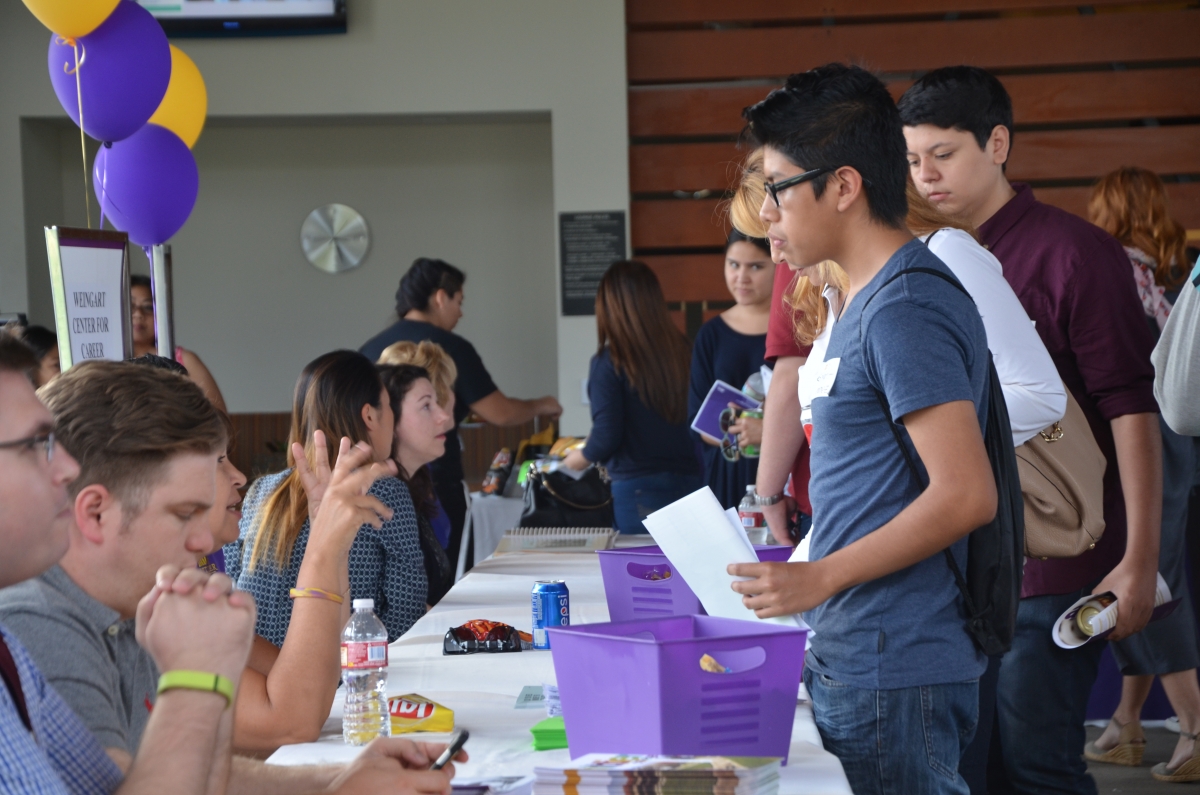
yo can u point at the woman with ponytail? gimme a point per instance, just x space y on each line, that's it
429 305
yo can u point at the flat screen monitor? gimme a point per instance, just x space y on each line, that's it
248 17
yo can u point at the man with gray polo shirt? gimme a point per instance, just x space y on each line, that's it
88 652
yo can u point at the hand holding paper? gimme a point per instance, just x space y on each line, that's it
778 589
700 540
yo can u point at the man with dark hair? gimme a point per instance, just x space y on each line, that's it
1074 281
892 672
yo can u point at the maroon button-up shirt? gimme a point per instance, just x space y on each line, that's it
1075 282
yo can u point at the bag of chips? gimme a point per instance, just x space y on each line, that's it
483 635
413 713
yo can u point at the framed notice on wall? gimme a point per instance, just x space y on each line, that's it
589 242
89 281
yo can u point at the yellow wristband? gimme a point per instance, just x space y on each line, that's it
315 593
197 680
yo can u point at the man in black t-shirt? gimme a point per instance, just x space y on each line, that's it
429 304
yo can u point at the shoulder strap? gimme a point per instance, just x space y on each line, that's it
959 579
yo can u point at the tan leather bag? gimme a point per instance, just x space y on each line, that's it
1062 481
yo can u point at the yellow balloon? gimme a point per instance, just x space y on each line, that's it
185 104
71 18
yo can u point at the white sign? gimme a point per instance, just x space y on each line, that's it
89 280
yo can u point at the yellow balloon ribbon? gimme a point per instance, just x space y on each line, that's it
71 18
185 104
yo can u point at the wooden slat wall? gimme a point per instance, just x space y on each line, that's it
1094 87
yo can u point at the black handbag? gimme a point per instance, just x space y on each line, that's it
553 499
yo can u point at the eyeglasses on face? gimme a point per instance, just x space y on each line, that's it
146 310
774 188
43 440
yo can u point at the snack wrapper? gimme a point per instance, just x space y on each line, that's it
1100 613
413 713
481 635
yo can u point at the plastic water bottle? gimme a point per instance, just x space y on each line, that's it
364 674
750 512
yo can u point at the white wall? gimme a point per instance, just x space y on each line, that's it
402 58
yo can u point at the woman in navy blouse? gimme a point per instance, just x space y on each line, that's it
730 348
637 387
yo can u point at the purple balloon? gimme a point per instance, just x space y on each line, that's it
147 184
124 71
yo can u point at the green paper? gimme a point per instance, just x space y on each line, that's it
549 734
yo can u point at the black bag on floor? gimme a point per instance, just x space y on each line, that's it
991 589
557 500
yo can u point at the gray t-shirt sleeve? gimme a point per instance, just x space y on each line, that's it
76 664
1177 362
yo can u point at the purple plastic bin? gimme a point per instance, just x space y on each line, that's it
634 586
636 687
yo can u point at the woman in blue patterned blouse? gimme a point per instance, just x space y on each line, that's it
339 394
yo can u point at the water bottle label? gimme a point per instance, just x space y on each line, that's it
369 654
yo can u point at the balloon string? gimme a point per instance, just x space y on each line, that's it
87 198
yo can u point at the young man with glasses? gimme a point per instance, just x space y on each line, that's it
1075 282
892 672
193 627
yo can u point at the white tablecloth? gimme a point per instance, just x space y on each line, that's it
482 688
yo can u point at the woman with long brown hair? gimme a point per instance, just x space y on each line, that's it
638 387
1131 205
341 395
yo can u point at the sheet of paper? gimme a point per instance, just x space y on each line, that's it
736 521
698 538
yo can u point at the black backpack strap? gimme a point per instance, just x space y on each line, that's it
959 579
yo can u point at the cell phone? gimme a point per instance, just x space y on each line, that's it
456 743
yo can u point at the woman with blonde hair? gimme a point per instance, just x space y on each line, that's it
1131 205
433 359
637 386
432 518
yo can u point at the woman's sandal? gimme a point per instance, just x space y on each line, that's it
1187 771
1129 749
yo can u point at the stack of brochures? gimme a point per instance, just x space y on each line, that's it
629 774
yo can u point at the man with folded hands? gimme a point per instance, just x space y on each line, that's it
128 603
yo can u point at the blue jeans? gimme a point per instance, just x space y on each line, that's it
1041 702
896 742
636 498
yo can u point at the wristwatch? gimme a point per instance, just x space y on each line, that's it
772 500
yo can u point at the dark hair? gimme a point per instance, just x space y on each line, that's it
423 280
16 356
835 116
964 98
758 242
398 379
330 394
646 347
123 423
140 281
159 363
40 339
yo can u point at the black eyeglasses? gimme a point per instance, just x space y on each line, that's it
774 188
43 440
